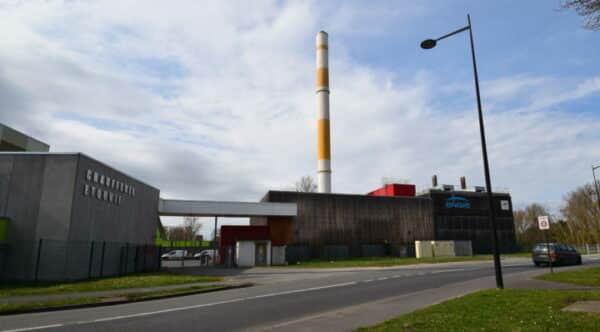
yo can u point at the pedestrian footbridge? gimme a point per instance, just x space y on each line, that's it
173 207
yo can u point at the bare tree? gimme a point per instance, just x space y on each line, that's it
526 224
582 215
175 233
306 184
186 232
589 9
191 226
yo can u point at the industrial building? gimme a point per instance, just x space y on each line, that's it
69 216
61 209
386 222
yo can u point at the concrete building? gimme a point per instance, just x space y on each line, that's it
13 140
58 205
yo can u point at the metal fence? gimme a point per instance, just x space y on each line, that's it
303 252
57 260
588 249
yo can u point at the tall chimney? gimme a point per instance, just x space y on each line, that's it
434 182
463 182
323 141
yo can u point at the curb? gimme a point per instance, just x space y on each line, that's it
120 301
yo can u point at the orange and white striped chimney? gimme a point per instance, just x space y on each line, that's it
323 142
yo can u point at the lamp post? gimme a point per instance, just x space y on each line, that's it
431 43
596 184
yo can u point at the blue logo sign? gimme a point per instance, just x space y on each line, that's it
456 202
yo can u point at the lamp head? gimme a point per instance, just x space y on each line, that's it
428 44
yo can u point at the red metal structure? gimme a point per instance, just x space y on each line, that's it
395 189
231 234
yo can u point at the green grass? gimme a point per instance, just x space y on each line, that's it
500 310
130 281
584 277
394 261
11 308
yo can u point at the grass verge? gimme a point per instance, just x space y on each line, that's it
500 310
584 277
12 308
394 261
130 281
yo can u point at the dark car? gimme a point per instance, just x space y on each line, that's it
560 254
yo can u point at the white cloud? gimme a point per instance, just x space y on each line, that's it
216 101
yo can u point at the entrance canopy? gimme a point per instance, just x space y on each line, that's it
171 207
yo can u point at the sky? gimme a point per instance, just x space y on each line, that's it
215 100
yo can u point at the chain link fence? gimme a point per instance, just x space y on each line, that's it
59 260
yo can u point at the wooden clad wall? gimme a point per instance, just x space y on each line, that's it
325 219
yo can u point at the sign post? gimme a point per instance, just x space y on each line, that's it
544 225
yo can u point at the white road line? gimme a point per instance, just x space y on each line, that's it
444 271
143 314
39 327
369 280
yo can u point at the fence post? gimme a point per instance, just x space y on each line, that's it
37 259
91 260
144 258
120 260
159 258
587 248
126 257
102 259
135 259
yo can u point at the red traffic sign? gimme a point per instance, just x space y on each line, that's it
543 223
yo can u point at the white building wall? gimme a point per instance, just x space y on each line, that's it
244 253
278 257
423 249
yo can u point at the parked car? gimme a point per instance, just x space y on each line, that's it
174 254
206 256
560 254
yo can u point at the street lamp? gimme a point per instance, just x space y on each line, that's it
596 184
429 44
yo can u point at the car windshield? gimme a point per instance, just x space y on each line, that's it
542 247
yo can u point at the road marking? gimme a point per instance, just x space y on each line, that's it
144 314
39 327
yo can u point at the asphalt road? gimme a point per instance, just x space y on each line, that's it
283 300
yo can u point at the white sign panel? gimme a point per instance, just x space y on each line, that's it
504 205
543 223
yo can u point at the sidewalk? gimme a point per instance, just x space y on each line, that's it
108 293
